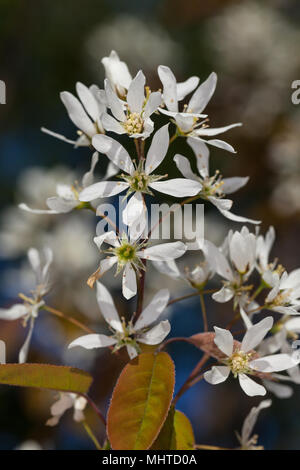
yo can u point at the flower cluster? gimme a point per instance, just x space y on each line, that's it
239 271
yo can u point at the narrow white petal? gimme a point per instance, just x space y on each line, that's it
92 341
230 185
223 295
220 203
274 363
107 263
25 348
111 124
217 375
256 333
293 325
210 131
58 136
113 102
88 100
203 94
168 80
102 189
132 353
238 218
107 237
152 312
136 93
24 207
219 144
178 187
88 177
217 260
2 352
279 390
129 286
163 252
77 113
61 206
158 149
186 87
107 307
224 340
134 209
251 419
13 313
115 152
154 101
156 334
250 387
184 166
201 152
168 267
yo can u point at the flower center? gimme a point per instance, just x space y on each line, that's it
134 124
239 363
126 252
139 181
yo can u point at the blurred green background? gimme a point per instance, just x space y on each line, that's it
45 47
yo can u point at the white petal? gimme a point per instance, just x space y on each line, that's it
169 87
250 387
61 206
224 340
203 94
88 177
256 333
153 102
158 149
58 136
88 100
24 207
92 341
77 114
217 260
185 88
111 124
115 152
163 252
230 185
156 334
238 218
201 152
168 267
62 405
13 313
239 252
107 307
274 363
136 93
219 144
2 352
223 295
134 209
25 348
113 102
107 263
107 237
152 312
184 166
129 286
116 71
251 419
279 390
185 122
209 131
217 375
102 189
293 325
132 353
178 187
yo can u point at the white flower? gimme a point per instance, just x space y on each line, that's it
197 277
131 117
247 441
128 253
213 188
142 331
263 249
67 197
236 267
284 296
187 122
117 74
84 112
238 359
29 310
65 402
138 179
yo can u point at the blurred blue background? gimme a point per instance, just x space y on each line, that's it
45 47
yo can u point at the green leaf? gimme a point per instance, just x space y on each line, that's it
176 433
141 401
62 378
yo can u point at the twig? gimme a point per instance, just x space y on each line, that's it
72 320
